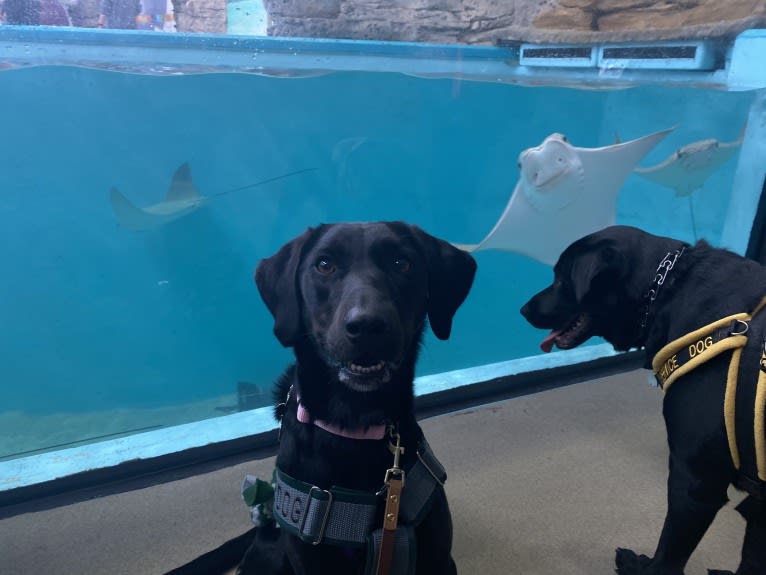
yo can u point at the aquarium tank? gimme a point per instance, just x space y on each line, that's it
148 162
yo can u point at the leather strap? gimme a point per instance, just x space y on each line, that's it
390 521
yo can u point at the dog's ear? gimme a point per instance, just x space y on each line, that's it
450 276
276 278
599 261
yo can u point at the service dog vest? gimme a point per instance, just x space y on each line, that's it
744 406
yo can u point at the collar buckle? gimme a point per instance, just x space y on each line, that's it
323 526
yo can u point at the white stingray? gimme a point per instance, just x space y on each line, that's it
687 169
182 199
563 193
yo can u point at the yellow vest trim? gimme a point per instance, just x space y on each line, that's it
759 425
702 349
729 407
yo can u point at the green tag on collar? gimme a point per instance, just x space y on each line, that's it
258 492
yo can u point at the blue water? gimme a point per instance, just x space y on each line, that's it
95 317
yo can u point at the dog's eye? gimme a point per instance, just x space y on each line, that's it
402 265
325 266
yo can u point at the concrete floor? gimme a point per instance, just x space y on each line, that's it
544 484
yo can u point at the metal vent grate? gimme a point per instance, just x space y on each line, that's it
559 56
659 56
650 52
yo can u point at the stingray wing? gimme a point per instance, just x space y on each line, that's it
466 247
182 188
129 216
616 162
525 229
673 176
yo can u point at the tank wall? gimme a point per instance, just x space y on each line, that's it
98 318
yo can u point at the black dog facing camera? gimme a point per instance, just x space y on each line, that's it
357 488
697 312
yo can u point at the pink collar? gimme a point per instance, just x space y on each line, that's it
374 432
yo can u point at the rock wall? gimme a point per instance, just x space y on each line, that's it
490 21
475 21
441 21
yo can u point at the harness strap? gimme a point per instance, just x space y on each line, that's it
679 357
340 516
730 407
760 425
423 479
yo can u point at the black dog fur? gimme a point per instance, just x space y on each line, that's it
347 297
600 288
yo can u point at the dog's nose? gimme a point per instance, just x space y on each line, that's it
360 323
525 310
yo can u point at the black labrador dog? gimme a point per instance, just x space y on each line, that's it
352 299
694 310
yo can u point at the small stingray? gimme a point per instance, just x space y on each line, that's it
563 193
690 166
181 200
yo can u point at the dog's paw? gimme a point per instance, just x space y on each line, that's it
628 563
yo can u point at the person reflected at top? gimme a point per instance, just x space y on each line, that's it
120 14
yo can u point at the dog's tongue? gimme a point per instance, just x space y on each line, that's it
547 343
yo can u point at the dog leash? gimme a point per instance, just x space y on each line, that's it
394 482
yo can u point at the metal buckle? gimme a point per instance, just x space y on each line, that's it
322 528
740 322
394 473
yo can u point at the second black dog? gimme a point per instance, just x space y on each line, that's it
696 311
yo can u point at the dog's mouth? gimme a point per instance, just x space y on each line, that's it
573 334
365 375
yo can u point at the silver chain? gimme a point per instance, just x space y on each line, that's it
665 266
